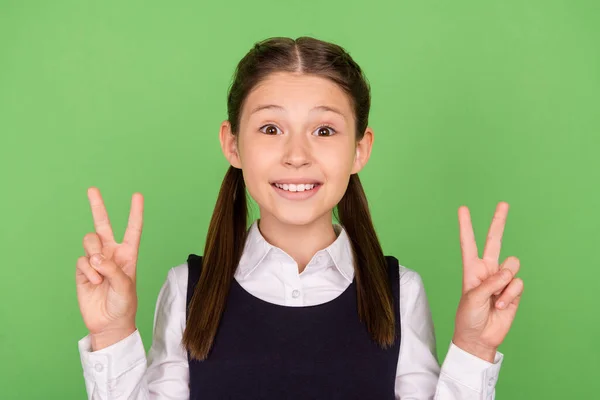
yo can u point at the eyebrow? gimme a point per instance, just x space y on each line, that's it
276 107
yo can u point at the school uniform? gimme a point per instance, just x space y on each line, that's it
286 335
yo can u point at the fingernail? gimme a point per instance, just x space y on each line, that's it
500 304
506 274
96 259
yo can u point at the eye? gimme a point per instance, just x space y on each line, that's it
323 131
271 129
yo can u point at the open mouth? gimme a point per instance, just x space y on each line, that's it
291 187
296 191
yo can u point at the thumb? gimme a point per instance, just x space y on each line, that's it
115 275
493 284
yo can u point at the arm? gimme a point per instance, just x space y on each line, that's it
122 370
419 376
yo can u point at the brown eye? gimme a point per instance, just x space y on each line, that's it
325 131
271 129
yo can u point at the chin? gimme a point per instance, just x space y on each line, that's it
297 218
294 213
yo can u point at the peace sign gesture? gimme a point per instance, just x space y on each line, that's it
105 277
490 292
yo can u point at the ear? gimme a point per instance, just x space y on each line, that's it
363 151
229 145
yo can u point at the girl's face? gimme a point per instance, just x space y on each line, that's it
296 147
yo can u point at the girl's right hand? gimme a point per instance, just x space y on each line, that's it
106 291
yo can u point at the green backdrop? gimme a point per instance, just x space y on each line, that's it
474 102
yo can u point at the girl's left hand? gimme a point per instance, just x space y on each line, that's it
490 292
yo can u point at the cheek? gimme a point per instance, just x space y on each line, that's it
337 162
257 163
337 167
259 155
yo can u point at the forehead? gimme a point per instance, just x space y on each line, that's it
297 92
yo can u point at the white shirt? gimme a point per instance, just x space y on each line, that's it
123 371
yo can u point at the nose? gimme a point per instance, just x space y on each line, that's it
297 151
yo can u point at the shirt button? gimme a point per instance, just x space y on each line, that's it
295 294
319 259
99 367
491 382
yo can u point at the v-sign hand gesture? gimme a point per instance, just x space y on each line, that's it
105 276
490 292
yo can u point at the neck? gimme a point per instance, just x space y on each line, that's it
301 242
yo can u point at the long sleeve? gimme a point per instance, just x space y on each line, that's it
123 371
462 376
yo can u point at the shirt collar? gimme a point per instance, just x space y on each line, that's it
257 248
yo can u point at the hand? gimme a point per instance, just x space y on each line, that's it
490 293
106 291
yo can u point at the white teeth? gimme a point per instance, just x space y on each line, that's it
295 188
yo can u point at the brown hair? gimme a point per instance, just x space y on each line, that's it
228 226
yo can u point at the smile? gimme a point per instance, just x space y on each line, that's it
296 191
290 187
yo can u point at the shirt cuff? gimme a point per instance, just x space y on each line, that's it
102 367
471 371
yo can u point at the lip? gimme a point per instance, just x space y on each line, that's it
296 181
306 194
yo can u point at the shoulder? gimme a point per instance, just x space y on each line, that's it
177 278
408 276
412 289
414 306
179 274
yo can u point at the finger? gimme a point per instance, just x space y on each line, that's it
512 263
468 246
133 233
491 252
115 275
101 221
92 244
493 284
512 294
85 273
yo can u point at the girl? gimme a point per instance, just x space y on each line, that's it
294 306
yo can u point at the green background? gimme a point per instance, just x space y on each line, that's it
474 102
